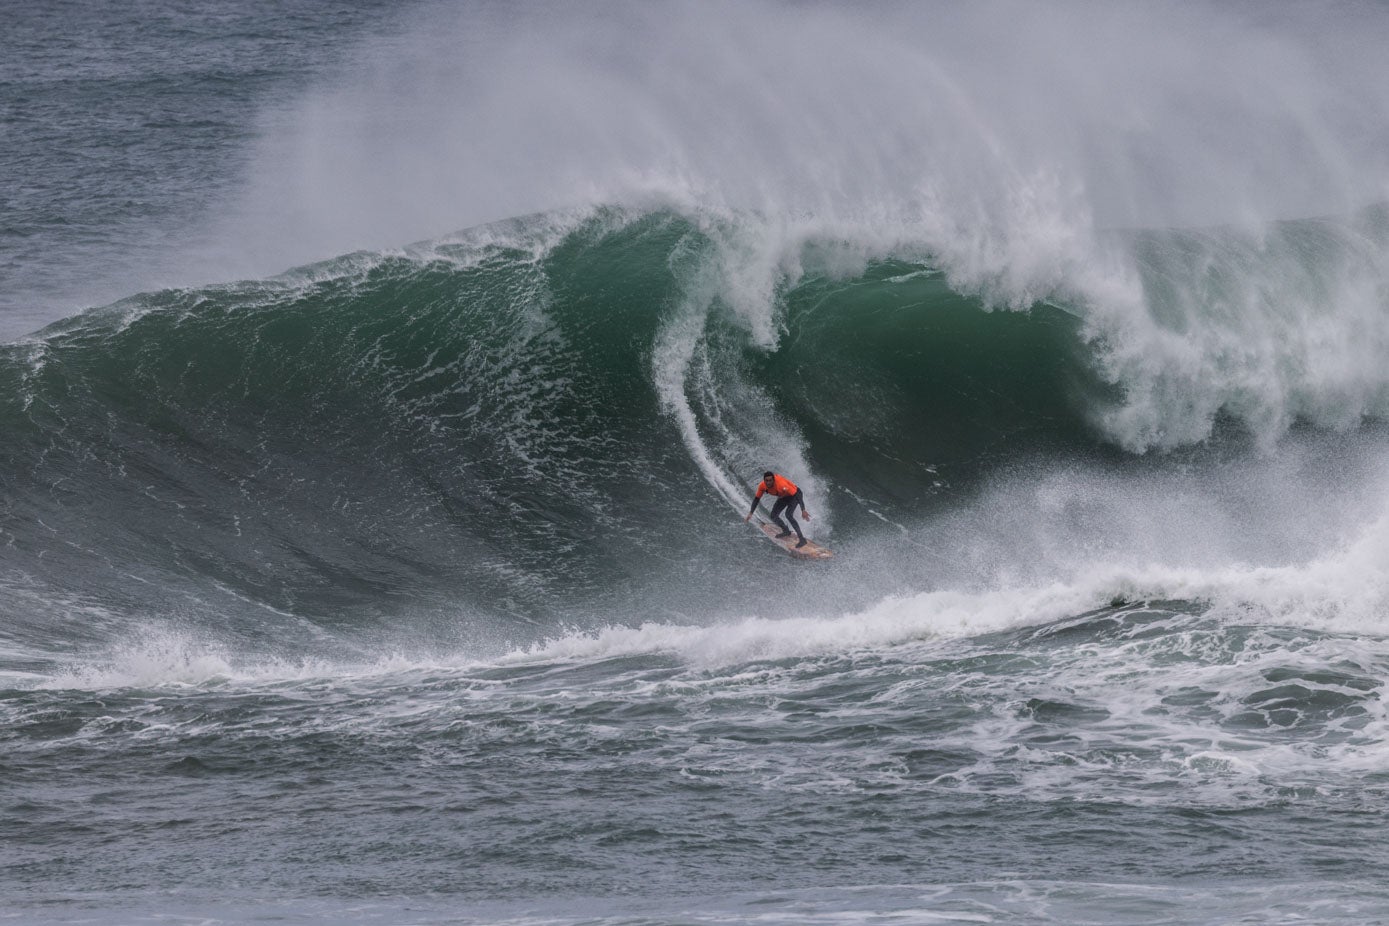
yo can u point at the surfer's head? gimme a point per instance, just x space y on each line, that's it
768 476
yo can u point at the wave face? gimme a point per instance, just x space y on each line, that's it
558 418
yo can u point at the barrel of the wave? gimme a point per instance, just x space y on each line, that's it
789 497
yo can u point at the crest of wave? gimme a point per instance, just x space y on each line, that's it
1011 142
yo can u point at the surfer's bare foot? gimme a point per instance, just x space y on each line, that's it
783 534
802 543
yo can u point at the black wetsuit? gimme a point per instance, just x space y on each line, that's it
789 504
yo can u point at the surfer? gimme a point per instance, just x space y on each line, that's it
788 497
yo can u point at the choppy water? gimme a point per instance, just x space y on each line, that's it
410 585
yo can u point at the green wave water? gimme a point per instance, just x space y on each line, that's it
484 423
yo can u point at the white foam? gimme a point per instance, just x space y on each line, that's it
1034 568
158 657
165 660
966 132
728 425
973 115
891 622
1344 591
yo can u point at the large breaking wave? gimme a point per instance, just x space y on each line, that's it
556 421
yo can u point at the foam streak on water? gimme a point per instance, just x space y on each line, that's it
1136 727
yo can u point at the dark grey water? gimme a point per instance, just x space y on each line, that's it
127 126
1094 769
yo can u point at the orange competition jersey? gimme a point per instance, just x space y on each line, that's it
781 486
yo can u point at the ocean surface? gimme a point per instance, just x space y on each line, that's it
382 386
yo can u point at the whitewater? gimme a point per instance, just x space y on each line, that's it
381 391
